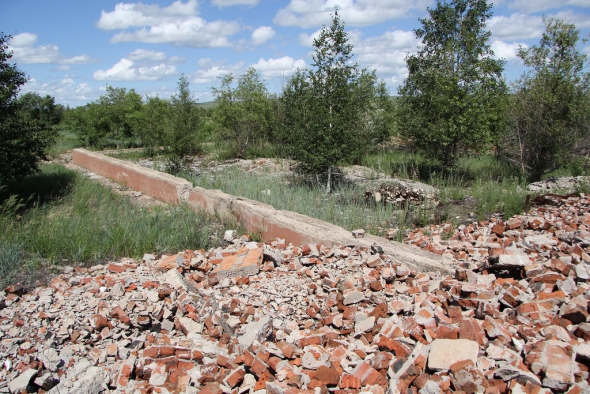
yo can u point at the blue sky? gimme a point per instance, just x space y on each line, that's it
72 49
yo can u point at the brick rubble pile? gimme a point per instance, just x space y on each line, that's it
276 318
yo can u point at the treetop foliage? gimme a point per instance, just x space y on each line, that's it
243 112
453 96
326 108
549 116
26 122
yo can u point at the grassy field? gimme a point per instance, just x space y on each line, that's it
61 217
481 187
66 140
482 184
345 206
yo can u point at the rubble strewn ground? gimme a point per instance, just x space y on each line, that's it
278 318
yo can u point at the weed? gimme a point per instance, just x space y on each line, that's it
88 223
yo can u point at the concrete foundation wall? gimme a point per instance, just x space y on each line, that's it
161 186
255 216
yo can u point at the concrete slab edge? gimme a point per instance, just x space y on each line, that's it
255 216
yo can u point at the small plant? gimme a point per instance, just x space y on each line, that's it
86 223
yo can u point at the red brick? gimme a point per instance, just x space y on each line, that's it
350 382
328 376
235 377
116 268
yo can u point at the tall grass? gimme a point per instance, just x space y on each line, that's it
83 222
495 185
66 140
345 206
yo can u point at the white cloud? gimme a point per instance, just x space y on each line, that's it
579 19
386 53
306 40
311 13
141 54
140 65
124 70
128 15
24 51
516 27
177 59
262 35
80 59
23 40
65 91
280 67
507 51
193 32
229 3
542 5
210 71
177 24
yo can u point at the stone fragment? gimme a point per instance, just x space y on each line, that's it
446 352
359 233
353 297
245 263
174 279
256 331
314 357
22 381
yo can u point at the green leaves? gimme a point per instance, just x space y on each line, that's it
454 91
548 117
113 115
244 112
26 123
327 110
180 136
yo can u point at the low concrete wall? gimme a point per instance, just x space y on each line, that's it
255 216
161 186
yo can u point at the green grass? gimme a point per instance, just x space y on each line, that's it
130 156
66 140
482 184
67 218
345 206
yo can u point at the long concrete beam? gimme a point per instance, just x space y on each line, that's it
255 216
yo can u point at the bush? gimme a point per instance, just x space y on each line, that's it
24 132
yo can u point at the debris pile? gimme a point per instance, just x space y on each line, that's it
553 233
277 318
403 193
565 183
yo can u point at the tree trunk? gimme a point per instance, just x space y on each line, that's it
328 186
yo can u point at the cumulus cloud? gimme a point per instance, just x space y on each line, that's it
280 67
194 32
542 5
140 65
229 3
385 53
306 40
311 13
211 70
516 27
507 51
124 70
177 24
128 15
80 59
141 54
24 51
262 35
579 19
65 91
